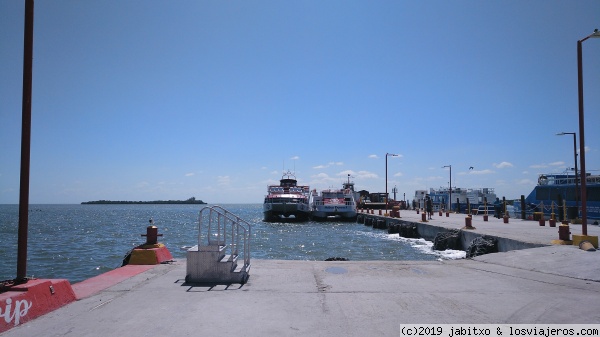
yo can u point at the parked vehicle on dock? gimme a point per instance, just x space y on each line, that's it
557 189
286 201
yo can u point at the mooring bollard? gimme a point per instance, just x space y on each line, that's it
424 217
447 214
505 218
151 234
485 217
396 212
564 233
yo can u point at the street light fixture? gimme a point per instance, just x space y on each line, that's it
386 178
576 174
596 33
450 195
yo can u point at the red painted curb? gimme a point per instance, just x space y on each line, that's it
98 283
35 298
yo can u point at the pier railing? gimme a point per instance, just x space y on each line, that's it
223 228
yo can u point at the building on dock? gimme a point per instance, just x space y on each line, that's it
440 197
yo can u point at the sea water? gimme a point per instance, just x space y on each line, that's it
77 242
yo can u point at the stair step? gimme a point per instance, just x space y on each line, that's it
241 268
228 258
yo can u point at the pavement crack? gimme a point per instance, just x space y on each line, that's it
321 290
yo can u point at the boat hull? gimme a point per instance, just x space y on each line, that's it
349 215
273 212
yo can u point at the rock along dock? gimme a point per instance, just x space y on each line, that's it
530 281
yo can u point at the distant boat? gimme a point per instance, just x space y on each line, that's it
334 203
286 201
558 188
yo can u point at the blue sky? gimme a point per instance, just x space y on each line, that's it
147 100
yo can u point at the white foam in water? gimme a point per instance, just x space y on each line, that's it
427 248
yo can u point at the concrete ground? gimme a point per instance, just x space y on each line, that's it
550 285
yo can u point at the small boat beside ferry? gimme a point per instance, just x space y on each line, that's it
334 203
286 201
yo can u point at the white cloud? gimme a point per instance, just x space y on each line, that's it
320 176
399 174
223 180
525 182
295 158
431 178
190 174
374 156
328 165
366 175
502 165
481 171
345 173
557 163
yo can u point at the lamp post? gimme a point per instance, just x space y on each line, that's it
25 145
386 179
450 195
576 174
596 33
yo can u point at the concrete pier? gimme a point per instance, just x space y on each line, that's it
514 235
550 284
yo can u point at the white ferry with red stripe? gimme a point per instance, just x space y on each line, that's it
286 201
334 203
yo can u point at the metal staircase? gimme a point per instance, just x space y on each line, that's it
223 251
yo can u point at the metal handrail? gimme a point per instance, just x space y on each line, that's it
240 230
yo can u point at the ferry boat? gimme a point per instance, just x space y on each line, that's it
334 203
557 189
286 201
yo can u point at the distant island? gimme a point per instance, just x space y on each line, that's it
191 201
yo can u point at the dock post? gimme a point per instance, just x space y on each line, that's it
469 222
552 220
485 213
